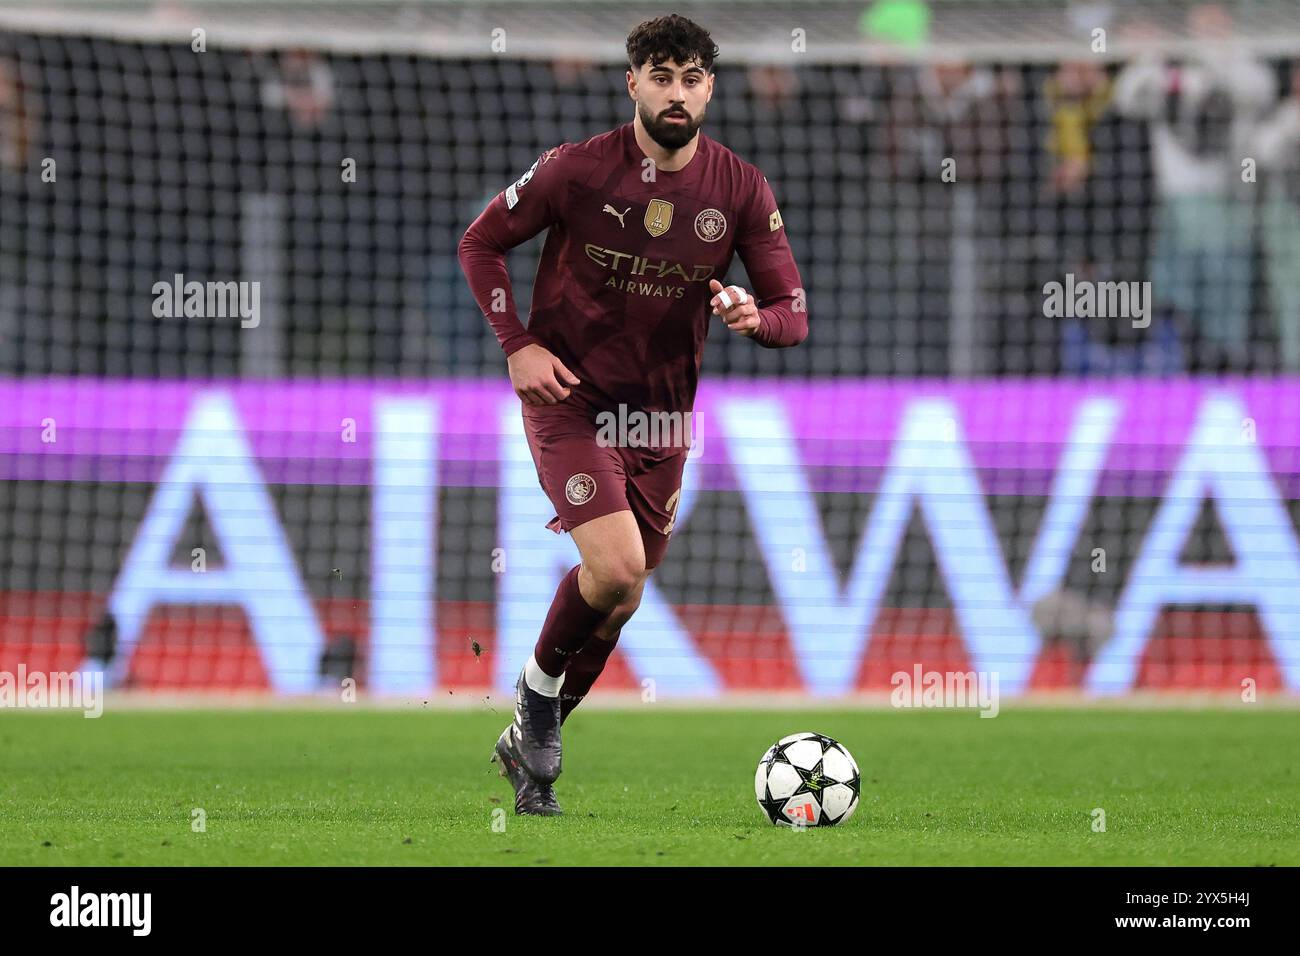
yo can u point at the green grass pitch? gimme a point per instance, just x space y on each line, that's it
653 785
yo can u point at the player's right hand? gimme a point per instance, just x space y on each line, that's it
539 377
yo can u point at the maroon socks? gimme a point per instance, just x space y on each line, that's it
569 623
583 670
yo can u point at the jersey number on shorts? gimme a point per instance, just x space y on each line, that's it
671 508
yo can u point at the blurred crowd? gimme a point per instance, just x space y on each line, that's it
979 184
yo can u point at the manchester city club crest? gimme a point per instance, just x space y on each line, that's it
658 216
579 489
711 225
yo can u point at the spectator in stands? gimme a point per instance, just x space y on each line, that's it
1277 148
15 120
1077 95
302 85
16 160
571 71
1201 110
1087 242
306 317
954 170
952 110
773 86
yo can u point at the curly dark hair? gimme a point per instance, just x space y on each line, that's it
671 38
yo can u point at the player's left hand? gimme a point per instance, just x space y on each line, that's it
736 306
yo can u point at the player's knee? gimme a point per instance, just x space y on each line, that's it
630 602
620 578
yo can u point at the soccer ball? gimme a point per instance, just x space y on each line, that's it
807 780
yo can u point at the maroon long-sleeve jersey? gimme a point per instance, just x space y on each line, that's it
622 291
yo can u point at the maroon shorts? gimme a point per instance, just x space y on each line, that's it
586 480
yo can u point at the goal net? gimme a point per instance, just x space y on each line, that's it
257 434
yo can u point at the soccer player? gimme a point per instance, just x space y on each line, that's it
643 222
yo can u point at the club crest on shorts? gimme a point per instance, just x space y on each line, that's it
711 225
579 489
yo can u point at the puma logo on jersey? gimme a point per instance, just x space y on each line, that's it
614 212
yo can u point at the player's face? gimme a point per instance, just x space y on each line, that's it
671 100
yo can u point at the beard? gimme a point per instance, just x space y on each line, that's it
668 134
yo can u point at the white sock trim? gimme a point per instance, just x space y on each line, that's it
540 681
